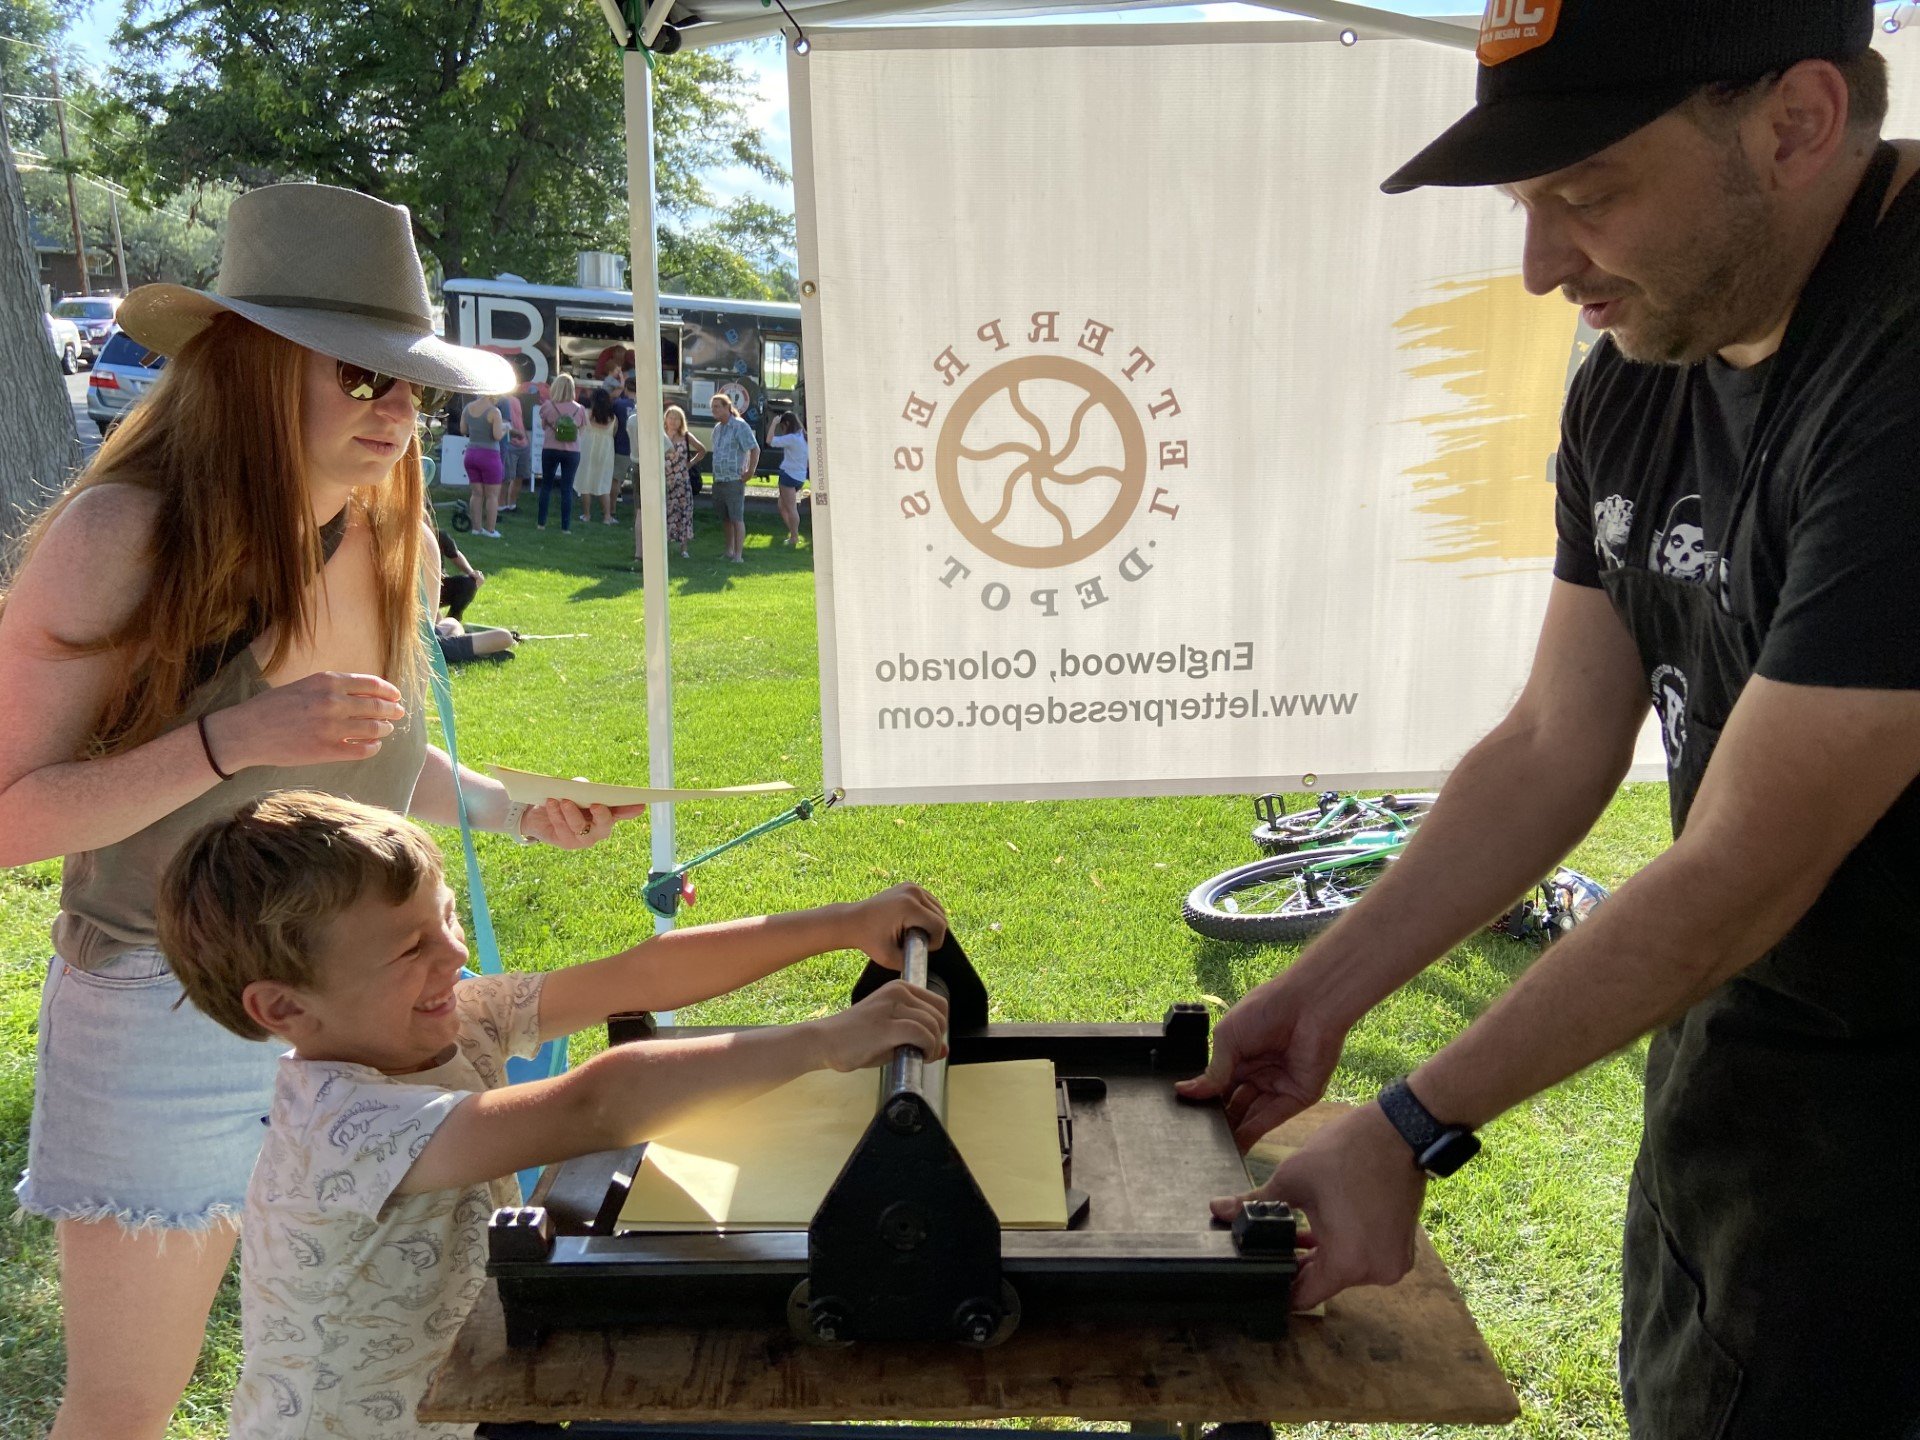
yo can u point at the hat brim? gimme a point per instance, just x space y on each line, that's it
1528 136
164 318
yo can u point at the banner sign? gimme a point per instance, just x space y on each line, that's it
1155 450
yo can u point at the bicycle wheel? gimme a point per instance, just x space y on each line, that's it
1311 827
1284 897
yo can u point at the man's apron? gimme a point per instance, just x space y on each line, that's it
1770 1273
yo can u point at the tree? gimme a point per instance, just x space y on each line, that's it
178 242
39 446
496 122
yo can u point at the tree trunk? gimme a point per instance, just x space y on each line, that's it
39 447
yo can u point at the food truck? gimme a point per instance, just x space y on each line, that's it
748 350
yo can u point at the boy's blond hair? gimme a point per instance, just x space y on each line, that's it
249 898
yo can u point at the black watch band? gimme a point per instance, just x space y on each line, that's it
1437 1149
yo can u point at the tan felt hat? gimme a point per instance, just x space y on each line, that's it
330 269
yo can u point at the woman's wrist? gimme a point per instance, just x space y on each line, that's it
489 807
221 745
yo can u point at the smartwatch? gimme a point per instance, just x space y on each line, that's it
1437 1149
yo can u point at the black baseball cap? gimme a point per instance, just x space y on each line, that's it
1561 80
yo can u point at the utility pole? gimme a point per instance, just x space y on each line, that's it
119 250
73 199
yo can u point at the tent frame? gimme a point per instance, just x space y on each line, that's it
649 459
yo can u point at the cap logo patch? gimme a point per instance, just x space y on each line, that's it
1513 27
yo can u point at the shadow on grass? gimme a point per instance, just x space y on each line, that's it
615 576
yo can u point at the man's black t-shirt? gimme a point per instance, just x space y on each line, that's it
1767 522
1821 564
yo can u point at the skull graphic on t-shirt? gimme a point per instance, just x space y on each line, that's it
1680 547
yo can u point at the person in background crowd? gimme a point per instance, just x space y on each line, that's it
482 422
516 453
561 419
459 581
596 456
623 456
459 584
736 455
791 441
682 451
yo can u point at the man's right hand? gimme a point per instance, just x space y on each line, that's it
1273 1054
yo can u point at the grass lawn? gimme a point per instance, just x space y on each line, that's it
1070 910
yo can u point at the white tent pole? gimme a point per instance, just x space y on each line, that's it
651 22
649 480
1361 17
616 22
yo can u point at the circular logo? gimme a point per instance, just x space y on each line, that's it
1041 462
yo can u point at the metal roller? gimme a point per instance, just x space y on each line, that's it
909 1078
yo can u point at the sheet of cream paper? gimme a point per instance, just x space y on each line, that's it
766 1165
524 787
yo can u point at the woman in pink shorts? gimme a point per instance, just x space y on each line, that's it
485 428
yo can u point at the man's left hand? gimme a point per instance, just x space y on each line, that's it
564 824
1358 1184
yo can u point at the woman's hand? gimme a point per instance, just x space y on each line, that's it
324 719
879 925
565 824
894 1015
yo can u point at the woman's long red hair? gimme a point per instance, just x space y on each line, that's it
220 439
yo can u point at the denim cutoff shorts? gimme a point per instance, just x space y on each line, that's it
142 1113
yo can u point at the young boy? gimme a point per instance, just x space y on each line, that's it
392 1136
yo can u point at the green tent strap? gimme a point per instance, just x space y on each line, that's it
667 888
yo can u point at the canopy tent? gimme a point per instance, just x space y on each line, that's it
711 22
724 21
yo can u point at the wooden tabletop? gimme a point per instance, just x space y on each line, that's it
1409 1352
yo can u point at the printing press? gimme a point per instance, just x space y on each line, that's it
905 1246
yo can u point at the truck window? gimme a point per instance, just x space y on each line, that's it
780 364
670 368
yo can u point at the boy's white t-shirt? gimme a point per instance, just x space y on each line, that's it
350 1296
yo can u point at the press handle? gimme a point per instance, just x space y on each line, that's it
907 1068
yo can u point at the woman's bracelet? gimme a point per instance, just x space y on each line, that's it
206 747
516 812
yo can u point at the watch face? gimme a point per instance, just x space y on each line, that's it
1449 1153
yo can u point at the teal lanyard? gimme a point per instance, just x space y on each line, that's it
552 1057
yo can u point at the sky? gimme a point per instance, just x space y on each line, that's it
765 62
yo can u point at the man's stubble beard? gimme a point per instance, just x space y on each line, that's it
1725 284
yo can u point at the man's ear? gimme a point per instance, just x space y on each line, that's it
278 1008
1806 123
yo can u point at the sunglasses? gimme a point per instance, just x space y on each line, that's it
359 383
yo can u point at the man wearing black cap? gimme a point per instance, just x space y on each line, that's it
1739 520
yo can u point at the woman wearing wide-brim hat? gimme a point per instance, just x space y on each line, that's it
227 602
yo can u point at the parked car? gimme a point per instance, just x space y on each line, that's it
64 336
123 373
93 316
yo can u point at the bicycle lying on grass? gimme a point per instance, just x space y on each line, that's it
1321 861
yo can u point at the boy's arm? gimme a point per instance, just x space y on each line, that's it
682 967
634 1092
